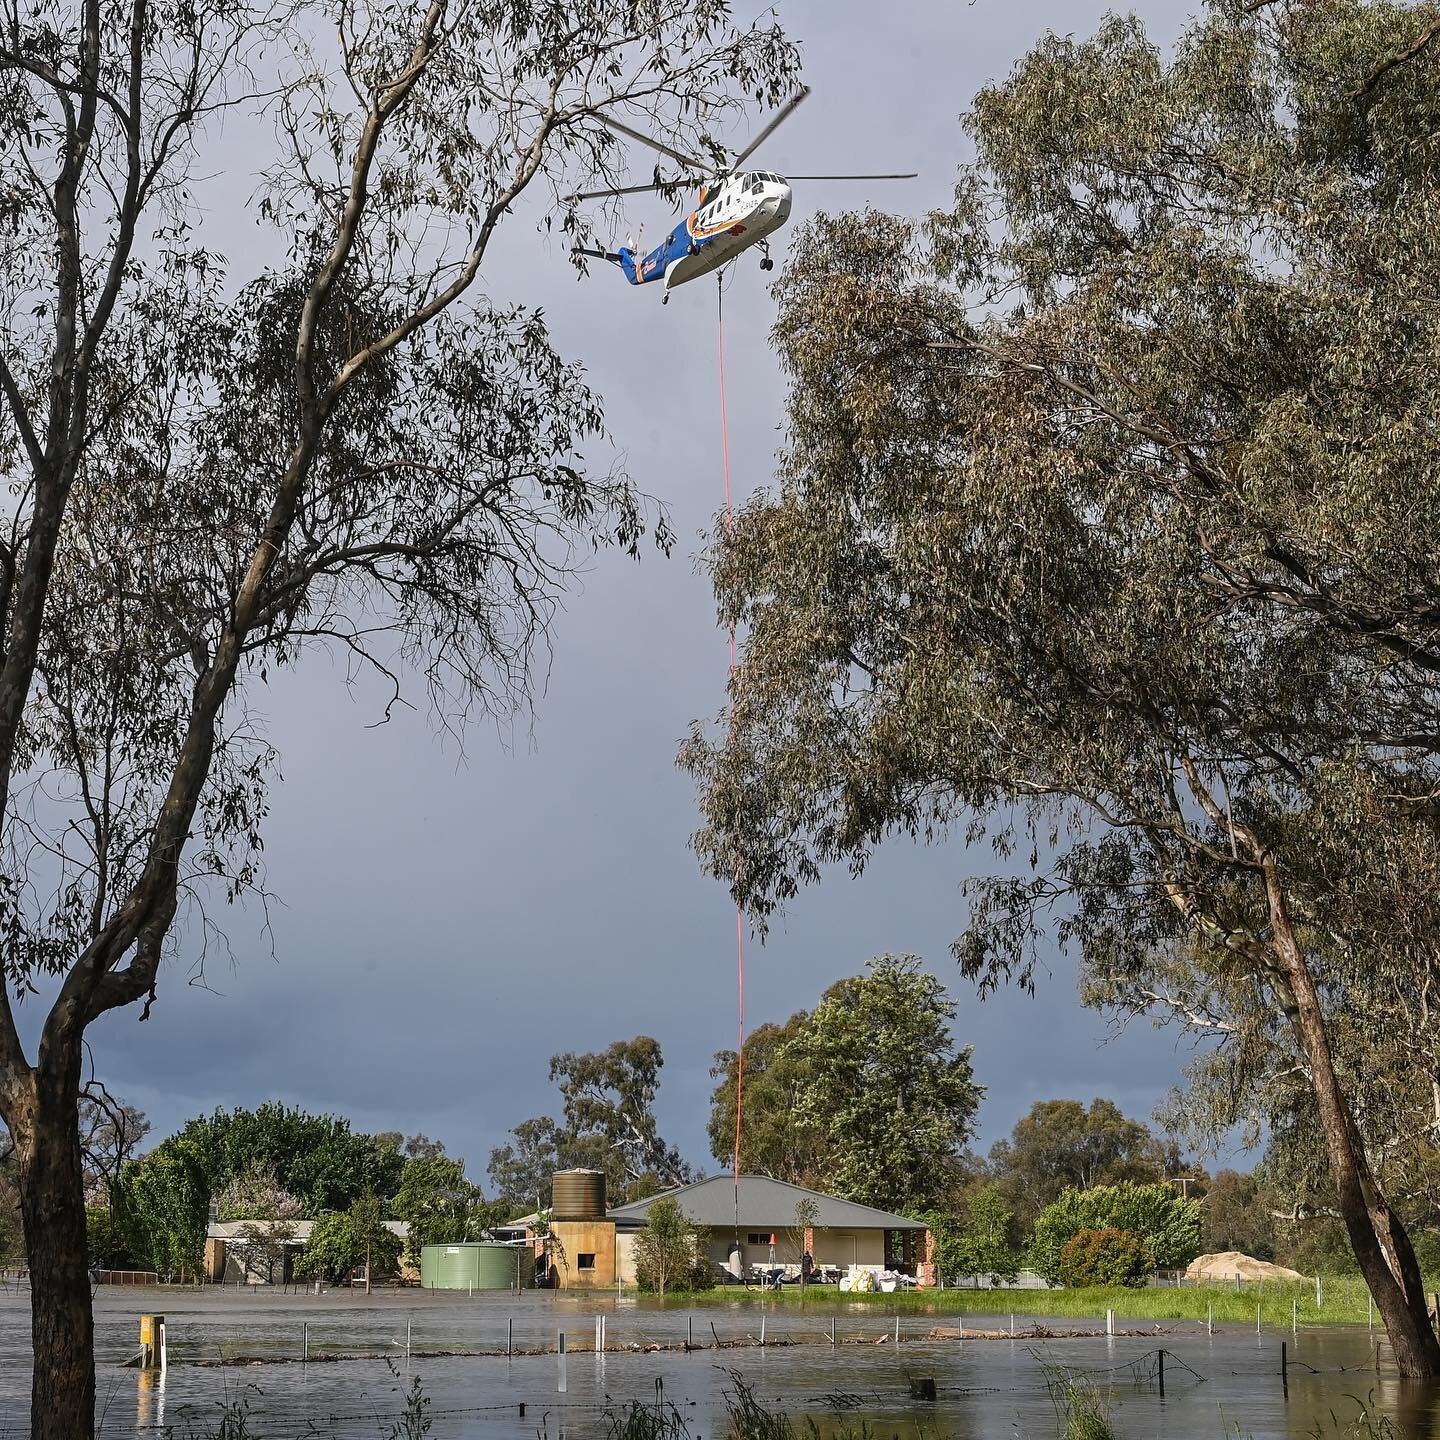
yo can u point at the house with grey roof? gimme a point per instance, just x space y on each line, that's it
758 1217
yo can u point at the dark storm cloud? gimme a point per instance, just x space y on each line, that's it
444 923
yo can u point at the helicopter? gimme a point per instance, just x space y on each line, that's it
735 209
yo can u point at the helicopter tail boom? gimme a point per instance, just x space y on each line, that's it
623 257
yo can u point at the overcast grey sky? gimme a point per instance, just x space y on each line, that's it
445 923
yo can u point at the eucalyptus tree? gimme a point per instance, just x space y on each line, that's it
1107 528
213 472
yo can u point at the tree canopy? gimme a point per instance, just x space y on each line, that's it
318 1159
774 1139
608 1123
357 445
889 1089
1060 1144
1167 1224
1107 529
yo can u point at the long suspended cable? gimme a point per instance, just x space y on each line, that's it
739 913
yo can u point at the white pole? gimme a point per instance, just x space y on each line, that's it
562 1362
407 1341
1294 1317
1109 1323
162 1349
597 1334
762 1331
897 1327
305 1335
1369 1311
1012 1324
1257 1317
1210 1318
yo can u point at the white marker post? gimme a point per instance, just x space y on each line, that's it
562 1362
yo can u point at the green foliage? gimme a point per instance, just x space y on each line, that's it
1061 1143
1168 1224
985 1242
660 1420
775 1141
1104 1257
609 1124
439 1204
316 1158
1120 484
339 1242
668 1254
1081 1408
1236 1215
105 1239
887 1087
163 1207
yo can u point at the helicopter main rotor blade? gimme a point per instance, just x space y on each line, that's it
780 117
689 161
623 190
912 175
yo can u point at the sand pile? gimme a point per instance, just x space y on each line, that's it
1227 1264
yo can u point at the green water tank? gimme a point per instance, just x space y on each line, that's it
476 1264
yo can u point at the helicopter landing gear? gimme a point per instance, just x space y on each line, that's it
665 298
766 262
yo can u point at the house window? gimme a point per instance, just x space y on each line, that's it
587 1262
754 1239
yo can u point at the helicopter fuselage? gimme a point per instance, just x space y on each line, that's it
732 214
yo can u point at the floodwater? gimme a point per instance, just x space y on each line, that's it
1226 1384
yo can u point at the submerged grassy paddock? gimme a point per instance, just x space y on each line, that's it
1344 1301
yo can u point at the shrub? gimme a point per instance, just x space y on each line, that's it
1105 1257
668 1251
1168 1224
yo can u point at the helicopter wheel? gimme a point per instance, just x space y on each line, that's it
767 263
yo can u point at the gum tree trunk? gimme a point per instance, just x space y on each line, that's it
1378 1237
52 1205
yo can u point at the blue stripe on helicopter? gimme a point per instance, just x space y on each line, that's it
678 244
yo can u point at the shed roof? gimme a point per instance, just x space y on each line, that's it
765 1204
